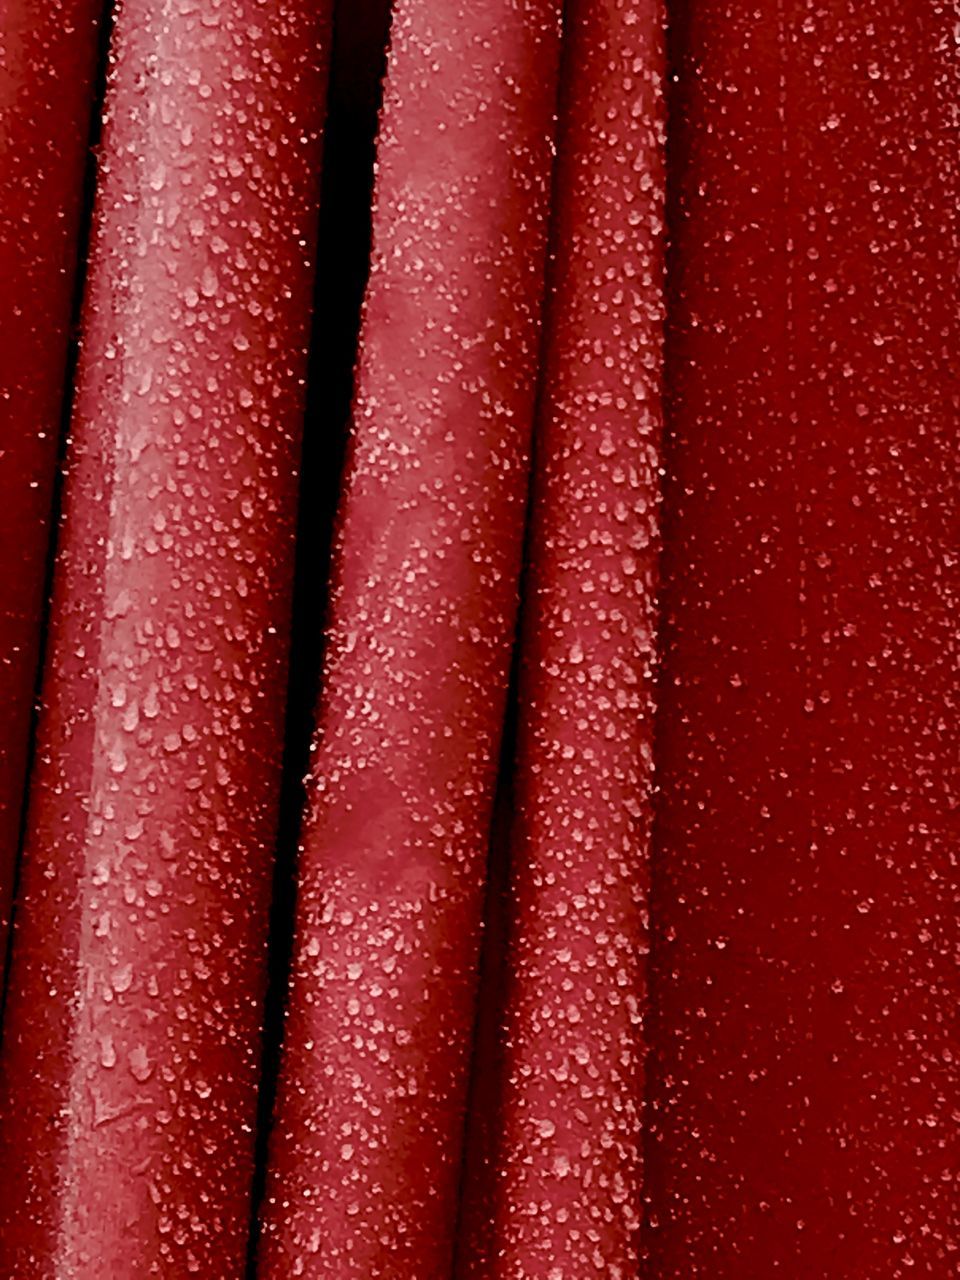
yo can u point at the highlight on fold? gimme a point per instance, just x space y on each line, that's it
129 1069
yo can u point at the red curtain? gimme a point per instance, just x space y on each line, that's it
600 574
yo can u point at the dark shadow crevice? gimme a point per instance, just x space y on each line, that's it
81 260
358 57
678 66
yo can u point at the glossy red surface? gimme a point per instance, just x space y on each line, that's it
130 1056
723 1048
555 1186
47 61
366 1144
802 1103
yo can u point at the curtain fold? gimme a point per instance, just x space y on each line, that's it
131 1041
365 1152
553 1186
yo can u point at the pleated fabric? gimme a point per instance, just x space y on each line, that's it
641 642
365 1152
803 974
553 1183
48 56
131 1041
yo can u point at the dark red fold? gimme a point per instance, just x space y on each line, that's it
47 62
129 1067
802 1107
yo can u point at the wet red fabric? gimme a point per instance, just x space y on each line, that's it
804 904
708 516
131 1037
554 1182
47 62
365 1152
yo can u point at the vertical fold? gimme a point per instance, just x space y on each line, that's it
48 57
365 1150
553 1186
129 1067
356 63
804 901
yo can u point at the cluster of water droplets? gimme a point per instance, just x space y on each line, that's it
554 1177
139 963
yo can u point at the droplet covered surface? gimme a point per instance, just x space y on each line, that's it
43 145
804 904
366 1141
553 1183
138 966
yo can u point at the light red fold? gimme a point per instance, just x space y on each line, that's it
131 1047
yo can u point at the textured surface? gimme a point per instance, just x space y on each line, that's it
138 968
366 1144
47 59
726 1048
802 1119
553 1185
